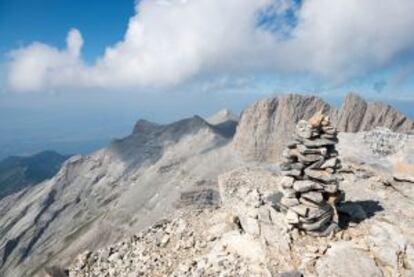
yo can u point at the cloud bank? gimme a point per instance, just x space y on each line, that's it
168 42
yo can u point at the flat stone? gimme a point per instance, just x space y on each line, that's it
316 165
318 142
308 203
301 210
309 158
305 150
289 202
306 185
315 213
320 175
330 163
287 182
343 260
293 172
313 196
329 136
292 217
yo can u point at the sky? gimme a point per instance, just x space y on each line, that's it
78 73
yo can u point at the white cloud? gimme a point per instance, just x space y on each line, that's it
171 41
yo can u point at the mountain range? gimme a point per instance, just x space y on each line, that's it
156 172
16 173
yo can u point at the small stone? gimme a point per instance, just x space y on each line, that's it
316 120
318 225
289 202
164 241
305 150
286 182
301 210
330 163
320 175
306 185
292 217
318 142
304 129
310 158
313 196
292 173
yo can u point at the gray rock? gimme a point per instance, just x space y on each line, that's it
304 129
287 182
309 158
343 260
313 196
292 173
330 163
319 142
266 126
289 202
306 185
292 217
320 224
320 175
301 210
305 150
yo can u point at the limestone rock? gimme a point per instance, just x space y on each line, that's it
264 128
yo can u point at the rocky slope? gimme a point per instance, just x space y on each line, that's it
172 171
265 126
99 198
17 173
247 236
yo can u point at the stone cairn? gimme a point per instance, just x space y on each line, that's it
310 184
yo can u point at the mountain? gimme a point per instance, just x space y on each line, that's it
265 126
160 171
17 173
97 199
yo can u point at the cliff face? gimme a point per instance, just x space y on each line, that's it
265 126
358 115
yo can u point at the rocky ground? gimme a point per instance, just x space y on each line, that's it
247 236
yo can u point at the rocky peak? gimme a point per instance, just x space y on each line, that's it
266 126
222 116
357 115
143 125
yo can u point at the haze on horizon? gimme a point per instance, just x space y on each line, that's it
76 74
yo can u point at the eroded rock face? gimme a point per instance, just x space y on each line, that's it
264 127
310 185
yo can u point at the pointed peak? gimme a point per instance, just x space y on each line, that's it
143 125
222 116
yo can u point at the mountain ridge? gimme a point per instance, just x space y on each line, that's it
266 125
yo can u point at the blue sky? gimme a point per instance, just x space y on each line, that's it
86 70
48 21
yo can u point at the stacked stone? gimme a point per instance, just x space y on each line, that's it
310 185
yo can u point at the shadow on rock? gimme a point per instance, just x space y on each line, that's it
354 212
